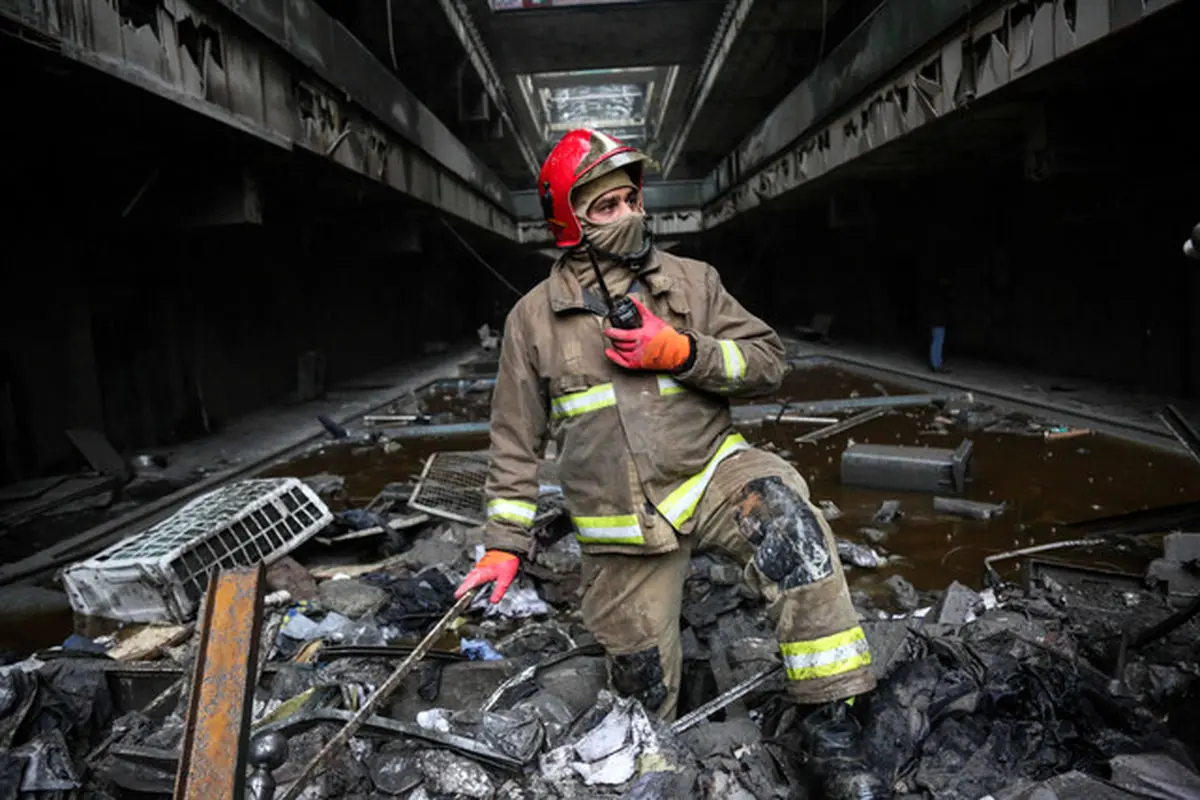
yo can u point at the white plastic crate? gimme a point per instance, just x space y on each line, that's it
161 573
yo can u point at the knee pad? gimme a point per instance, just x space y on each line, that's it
789 543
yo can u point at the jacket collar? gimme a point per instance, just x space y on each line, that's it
566 295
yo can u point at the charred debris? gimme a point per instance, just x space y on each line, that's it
296 634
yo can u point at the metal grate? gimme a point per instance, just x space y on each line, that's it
452 487
161 574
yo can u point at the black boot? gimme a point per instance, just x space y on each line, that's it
833 742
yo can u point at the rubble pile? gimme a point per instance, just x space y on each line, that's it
981 694
1077 682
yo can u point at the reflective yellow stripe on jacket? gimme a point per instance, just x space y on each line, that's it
576 403
681 503
621 529
668 386
516 511
830 655
734 361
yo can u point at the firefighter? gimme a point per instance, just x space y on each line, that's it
651 467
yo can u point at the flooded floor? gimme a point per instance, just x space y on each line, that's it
1044 484
367 468
808 384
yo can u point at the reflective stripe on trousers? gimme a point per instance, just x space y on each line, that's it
826 657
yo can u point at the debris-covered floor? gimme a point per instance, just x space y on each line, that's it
1061 672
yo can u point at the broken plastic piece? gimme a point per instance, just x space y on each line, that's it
889 511
516 604
971 509
479 650
859 555
911 469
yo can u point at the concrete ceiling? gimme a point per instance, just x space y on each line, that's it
551 58
598 35
715 97
425 52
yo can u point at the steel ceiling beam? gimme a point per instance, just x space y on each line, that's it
468 35
324 45
893 33
569 79
728 30
913 62
658 196
286 73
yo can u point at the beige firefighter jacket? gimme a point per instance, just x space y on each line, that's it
635 449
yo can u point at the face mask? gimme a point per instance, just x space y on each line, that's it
619 237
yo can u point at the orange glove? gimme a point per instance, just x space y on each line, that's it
496 565
654 346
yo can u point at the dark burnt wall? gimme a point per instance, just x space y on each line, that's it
1080 277
1055 235
136 335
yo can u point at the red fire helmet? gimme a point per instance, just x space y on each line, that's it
580 156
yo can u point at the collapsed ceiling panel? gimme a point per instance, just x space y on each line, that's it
625 103
519 5
620 104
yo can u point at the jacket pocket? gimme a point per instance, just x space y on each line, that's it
575 396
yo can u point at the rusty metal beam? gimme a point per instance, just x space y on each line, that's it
213 756
277 85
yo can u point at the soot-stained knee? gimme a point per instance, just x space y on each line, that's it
788 540
640 675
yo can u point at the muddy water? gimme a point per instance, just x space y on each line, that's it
368 468
825 382
1045 484
460 400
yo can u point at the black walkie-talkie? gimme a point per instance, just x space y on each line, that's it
623 313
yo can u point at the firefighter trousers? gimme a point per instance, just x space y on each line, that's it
756 510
